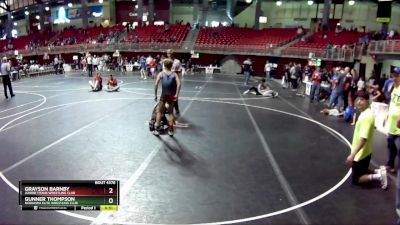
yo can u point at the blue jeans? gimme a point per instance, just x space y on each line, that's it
314 93
391 145
398 197
336 98
267 75
246 76
90 70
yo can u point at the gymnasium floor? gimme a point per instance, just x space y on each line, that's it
241 160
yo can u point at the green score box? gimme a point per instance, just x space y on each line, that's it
68 200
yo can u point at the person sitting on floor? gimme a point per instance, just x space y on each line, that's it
97 83
262 89
112 84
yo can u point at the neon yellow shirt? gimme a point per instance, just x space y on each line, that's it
364 129
394 111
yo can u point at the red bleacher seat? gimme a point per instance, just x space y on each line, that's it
245 38
158 34
344 38
21 42
92 33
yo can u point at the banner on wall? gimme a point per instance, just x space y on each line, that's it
76 13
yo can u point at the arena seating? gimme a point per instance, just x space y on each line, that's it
394 46
159 35
318 45
389 46
243 38
3 44
316 40
37 38
21 42
91 33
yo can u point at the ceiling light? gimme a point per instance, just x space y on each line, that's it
279 3
352 2
310 2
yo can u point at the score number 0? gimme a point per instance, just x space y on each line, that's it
110 191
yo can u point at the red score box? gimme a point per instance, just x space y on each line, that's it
111 190
75 191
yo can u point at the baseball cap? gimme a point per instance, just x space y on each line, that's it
396 70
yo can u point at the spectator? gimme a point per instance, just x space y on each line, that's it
56 64
329 50
361 84
61 64
153 67
387 89
5 70
267 70
295 74
336 98
382 81
393 120
136 39
307 72
286 78
83 63
95 63
166 27
247 70
89 62
299 31
347 87
361 149
338 30
189 65
148 61
121 64
391 34
316 85
376 95
143 68
373 81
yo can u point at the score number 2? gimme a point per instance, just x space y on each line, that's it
110 191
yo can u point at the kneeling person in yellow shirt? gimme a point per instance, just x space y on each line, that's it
361 149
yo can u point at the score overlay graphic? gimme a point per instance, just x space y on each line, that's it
83 195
